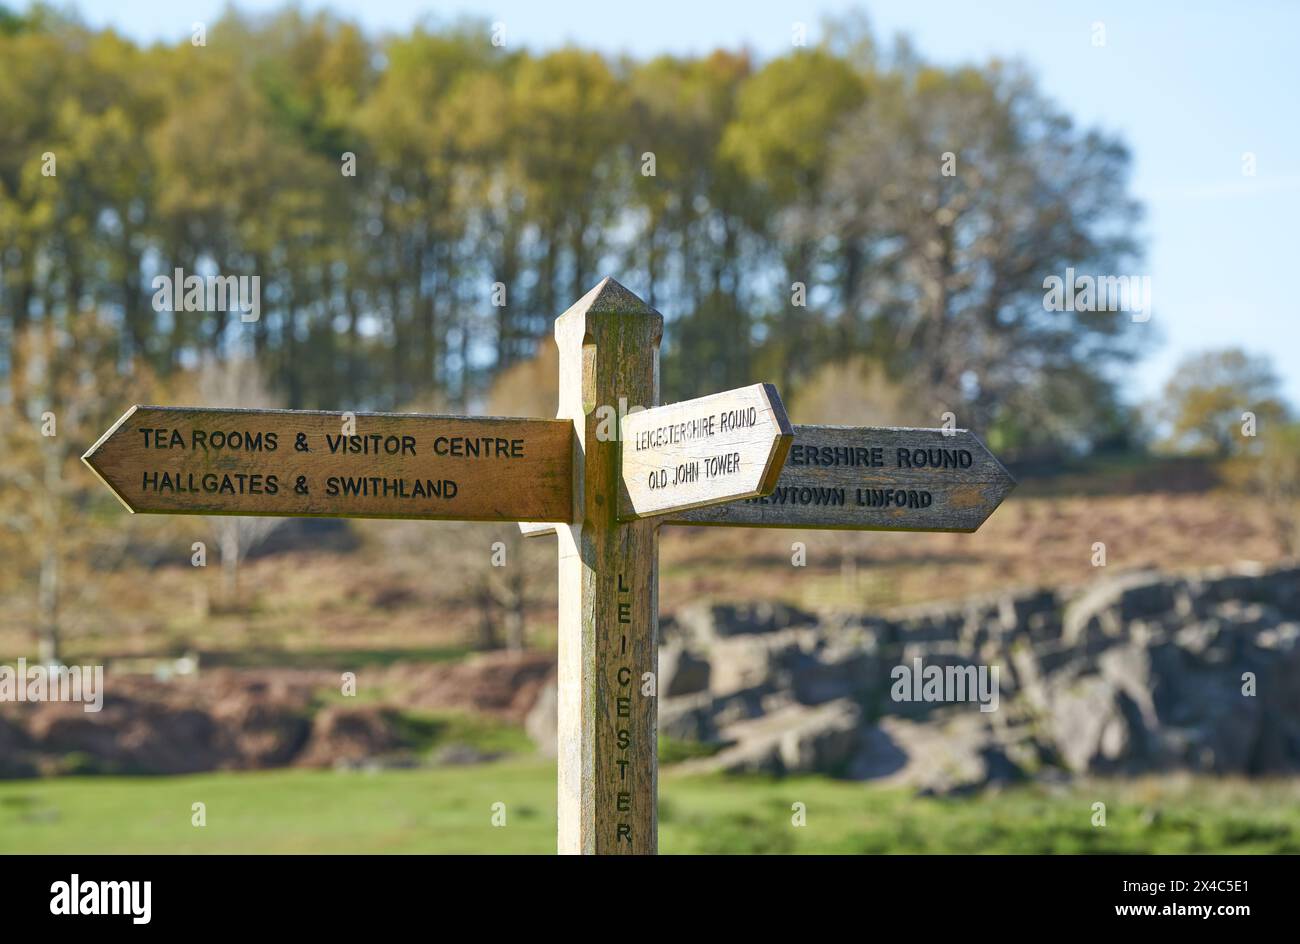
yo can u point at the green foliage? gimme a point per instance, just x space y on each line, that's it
673 750
67 389
10 22
449 809
1272 472
477 165
1205 402
425 732
856 392
786 120
1278 479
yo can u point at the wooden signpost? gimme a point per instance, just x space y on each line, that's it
170 460
727 459
875 479
700 452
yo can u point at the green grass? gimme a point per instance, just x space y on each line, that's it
341 659
450 810
429 731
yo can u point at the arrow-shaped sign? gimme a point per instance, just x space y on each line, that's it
700 452
176 460
874 479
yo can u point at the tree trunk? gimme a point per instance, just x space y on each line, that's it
487 628
48 587
514 616
230 563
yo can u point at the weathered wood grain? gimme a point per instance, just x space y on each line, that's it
177 460
858 478
535 529
712 449
608 591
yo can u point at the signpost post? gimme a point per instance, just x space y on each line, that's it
727 459
609 586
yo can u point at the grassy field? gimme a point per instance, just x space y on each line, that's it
449 809
405 594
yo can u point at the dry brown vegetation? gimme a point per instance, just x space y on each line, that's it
412 591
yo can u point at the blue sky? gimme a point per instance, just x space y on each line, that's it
1191 86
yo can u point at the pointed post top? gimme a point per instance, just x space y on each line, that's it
609 297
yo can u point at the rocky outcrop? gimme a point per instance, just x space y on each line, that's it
543 720
790 738
231 720
956 753
682 671
1136 673
235 719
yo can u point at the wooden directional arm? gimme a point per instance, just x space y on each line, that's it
304 463
873 479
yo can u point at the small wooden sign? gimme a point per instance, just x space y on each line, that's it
873 479
699 452
177 460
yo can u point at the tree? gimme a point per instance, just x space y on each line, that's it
529 388
238 384
696 241
72 390
788 116
571 110
419 207
855 392
950 197
1205 401
1276 479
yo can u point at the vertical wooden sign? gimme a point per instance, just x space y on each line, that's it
608 592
